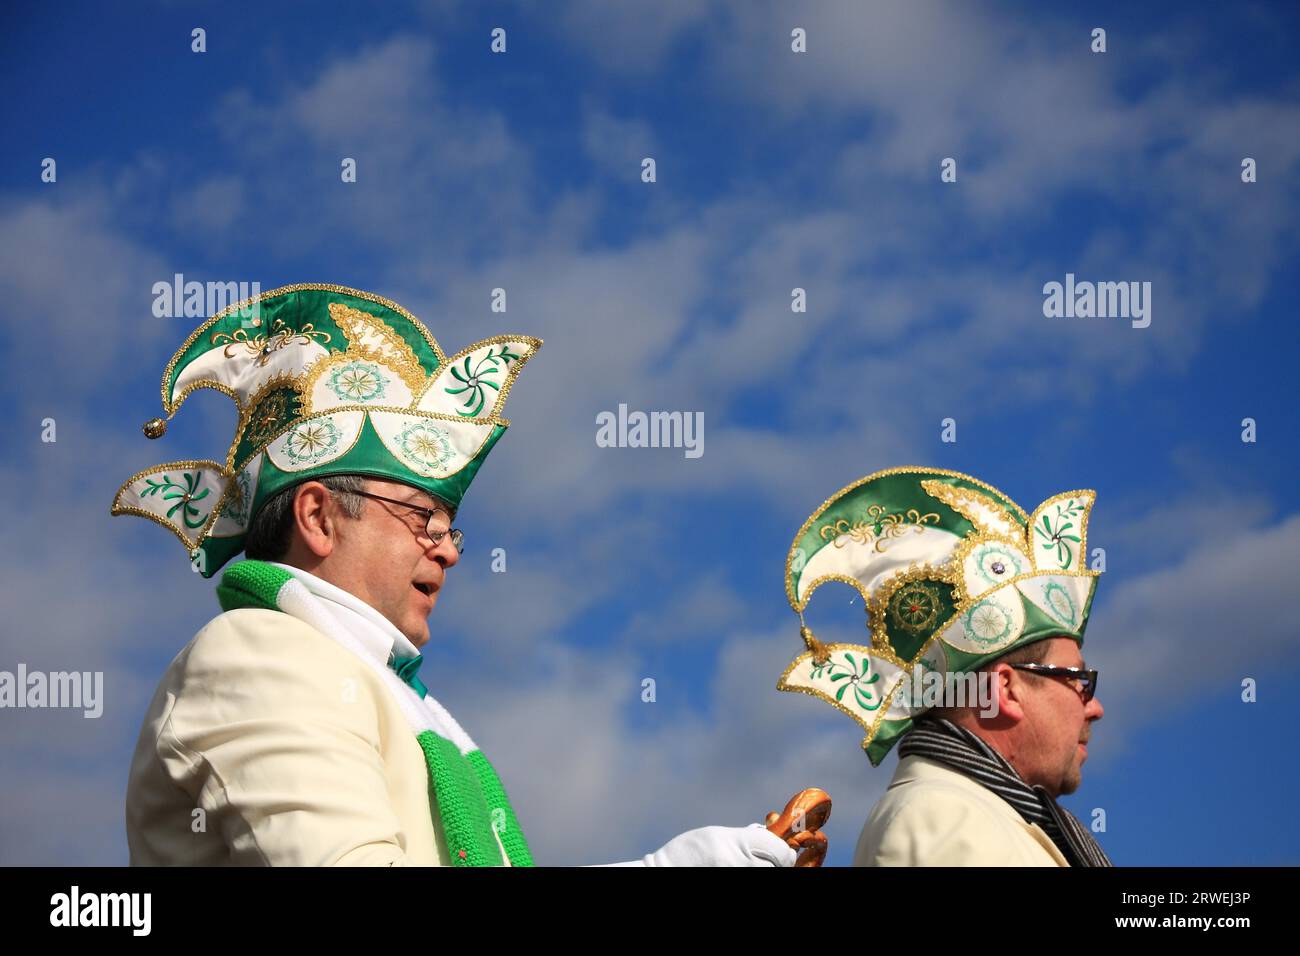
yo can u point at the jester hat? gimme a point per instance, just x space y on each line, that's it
953 575
327 380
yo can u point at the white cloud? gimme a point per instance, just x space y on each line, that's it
691 312
212 206
617 144
1197 628
590 790
71 815
433 176
373 94
88 593
77 299
699 610
631 39
587 782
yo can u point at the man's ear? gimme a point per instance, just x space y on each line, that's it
315 519
1010 691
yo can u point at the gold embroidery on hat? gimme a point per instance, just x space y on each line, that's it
391 350
967 602
863 530
964 597
878 604
512 372
201 465
882 608
872 726
273 422
269 414
821 509
262 425
1038 540
263 345
950 572
967 503
267 296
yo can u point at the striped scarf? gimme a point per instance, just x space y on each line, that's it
957 748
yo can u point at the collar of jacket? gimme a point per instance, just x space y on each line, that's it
377 635
918 771
468 800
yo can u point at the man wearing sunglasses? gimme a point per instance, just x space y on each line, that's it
976 610
977 786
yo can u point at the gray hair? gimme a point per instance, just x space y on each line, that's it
269 533
1032 653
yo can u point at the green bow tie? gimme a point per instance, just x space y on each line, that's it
406 668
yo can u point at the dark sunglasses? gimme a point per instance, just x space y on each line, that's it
1088 677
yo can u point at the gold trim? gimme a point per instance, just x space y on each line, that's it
117 509
902 470
277 381
1083 525
232 483
963 597
871 729
303 421
905 666
437 416
357 324
878 605
511 374
317 370
960 500
891 526
382 408
193 387
284 290
960 611
843 578
297 381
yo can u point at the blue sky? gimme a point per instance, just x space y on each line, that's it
775 171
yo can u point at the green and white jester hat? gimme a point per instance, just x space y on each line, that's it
327 380
953 574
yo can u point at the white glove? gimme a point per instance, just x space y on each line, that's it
754 845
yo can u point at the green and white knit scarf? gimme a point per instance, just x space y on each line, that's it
464 787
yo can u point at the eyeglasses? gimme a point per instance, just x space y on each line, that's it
435 532
1088 677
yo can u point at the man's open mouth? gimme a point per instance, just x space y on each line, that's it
426 589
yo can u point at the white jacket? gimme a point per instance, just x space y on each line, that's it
934 816
269 743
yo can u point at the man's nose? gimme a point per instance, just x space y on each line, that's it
445 552
1094 710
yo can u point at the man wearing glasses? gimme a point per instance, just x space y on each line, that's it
972 665
295 727
978 790
346 529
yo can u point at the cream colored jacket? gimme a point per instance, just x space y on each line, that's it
268 743
934 816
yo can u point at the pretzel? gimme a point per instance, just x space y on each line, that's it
799 825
